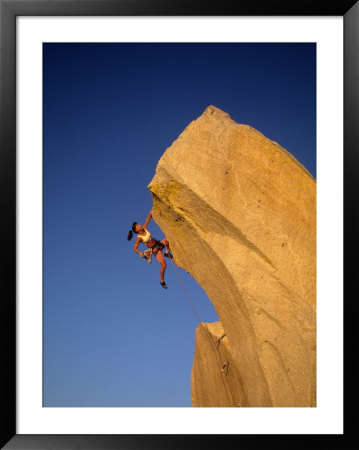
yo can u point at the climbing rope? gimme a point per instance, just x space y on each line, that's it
215 348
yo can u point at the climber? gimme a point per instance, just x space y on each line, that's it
155 247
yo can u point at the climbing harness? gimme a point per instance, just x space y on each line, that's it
223 367
153 251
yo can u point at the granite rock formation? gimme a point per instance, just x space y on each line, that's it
240 214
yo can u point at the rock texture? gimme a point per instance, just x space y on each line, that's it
215 378
240 214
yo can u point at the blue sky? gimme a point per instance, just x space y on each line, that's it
112 336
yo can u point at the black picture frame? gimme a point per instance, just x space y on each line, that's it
9 10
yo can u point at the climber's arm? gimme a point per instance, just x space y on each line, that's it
147 219
135 248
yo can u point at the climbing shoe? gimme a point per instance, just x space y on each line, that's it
163 284
168 255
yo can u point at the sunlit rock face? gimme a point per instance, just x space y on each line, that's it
215 377
240 214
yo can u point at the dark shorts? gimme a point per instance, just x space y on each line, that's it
157 246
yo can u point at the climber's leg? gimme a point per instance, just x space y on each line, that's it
166 243
162 261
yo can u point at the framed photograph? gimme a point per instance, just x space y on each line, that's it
217 137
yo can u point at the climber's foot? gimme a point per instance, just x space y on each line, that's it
168 254
163 284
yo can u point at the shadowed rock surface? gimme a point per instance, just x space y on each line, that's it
240 214
215 378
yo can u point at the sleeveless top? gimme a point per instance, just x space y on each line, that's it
146 238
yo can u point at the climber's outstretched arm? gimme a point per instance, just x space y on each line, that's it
147 219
